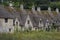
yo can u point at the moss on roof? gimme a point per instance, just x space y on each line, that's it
43 12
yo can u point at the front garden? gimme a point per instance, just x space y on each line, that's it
33 35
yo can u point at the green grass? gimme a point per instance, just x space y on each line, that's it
31 36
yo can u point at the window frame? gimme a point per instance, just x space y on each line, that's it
6 20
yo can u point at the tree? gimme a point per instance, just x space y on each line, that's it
54 5
41 3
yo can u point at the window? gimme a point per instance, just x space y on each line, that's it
28 21
13 22
17 23
40 21
9 29
6 20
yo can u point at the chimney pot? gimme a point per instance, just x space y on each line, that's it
57 10
38 9
21 7
49 9
33 8
11 5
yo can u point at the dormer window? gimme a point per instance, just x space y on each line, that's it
17 23
28 21
6 20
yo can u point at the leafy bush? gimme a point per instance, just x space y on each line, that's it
55 5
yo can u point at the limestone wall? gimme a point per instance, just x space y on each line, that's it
5 27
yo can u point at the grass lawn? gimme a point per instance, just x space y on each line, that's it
31 36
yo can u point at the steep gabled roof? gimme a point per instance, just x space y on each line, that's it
35 19
23 18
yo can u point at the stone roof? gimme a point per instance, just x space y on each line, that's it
23 18
35 16
35 19
4 13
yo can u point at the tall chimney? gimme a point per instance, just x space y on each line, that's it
33 8
21 7
49 9
38 9
57 10
11 5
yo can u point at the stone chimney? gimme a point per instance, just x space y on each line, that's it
21 7
33 8
49 9
11 5
38 9
57 10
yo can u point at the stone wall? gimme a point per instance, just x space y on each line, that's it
6 27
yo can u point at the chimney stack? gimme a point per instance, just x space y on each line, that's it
11 5
49 9
21 7
38 9
57 10
33 8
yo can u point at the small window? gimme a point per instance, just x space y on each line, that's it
17 23
28 21
6 20
9 29
40 21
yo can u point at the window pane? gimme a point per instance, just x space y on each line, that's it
6 20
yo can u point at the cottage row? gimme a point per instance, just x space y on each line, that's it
12 19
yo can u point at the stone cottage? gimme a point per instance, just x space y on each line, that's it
34 20
12 19
6 20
